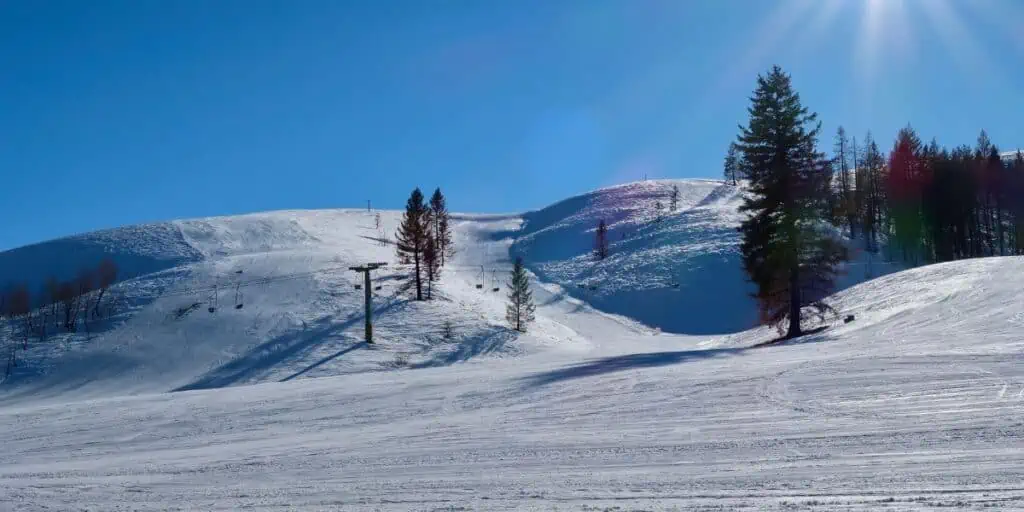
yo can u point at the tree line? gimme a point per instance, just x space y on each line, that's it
921 203
60 306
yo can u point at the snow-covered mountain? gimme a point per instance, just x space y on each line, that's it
1010 156
914 405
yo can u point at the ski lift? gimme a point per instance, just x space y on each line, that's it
359 287
494 281
213 301
238 295
480 285
378 287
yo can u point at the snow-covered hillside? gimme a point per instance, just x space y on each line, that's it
679 271
300 315
915 405
287 307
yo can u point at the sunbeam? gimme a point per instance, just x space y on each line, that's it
962 46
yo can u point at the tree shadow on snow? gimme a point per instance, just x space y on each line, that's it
289 346
491 340
626 362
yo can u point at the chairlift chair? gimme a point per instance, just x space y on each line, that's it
238 295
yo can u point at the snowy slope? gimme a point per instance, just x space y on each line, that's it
301 316
915 406
1010 156
682 273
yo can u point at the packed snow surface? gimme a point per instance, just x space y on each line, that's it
915 405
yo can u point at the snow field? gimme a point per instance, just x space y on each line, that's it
916 405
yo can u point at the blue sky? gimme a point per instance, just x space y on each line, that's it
119 112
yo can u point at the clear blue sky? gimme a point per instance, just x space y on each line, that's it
119 112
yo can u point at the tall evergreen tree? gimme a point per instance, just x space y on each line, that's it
785 253
520 308
411 238
732 164
441 228
601 241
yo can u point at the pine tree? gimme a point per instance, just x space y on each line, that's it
441 228
412 236
520 308
431 263
601 241
732 164
785 252
847 203
673 197
874 199
903 191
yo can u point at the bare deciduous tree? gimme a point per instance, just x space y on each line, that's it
106 275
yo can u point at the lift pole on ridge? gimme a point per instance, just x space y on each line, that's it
366 269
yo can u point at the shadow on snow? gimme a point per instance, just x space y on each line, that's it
626 362
293 345
491 340
657 359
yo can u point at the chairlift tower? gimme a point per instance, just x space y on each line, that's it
366 269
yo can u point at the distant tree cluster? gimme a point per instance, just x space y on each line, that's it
60 306
925 204
424 239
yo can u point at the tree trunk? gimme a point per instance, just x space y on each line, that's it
794 303
96 307
419 284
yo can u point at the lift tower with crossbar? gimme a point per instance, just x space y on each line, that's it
366 269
